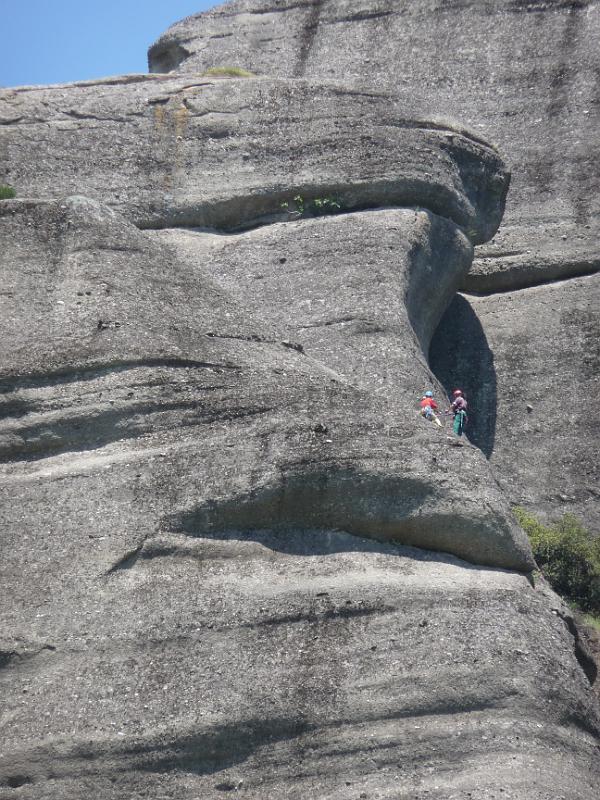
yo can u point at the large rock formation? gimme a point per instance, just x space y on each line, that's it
235 557
523 74
172 151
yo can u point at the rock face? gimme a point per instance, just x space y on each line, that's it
236 557
302 665
523 73
530 362
171 151
82 348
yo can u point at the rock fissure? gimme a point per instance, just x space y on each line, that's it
580 648
11 658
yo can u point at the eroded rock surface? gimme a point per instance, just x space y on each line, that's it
523 73
530 362
176 151
212 468
83 349
296 665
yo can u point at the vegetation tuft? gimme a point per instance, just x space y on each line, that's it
315 207
568 556
593 621
7 192
227 72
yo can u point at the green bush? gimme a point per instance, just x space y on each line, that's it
568 556
7 192
315 207
593 621
326 205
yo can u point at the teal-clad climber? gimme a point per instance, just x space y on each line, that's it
459 409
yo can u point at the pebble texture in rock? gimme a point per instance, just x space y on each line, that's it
531 366
175 151
75 331
234 556
523 73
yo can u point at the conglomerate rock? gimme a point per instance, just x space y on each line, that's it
174 151
107 356
523 73
212 466
531 365
279 666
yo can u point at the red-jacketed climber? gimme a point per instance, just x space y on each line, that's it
429 407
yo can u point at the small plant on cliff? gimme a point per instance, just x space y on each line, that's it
294 205
568 556
326 205
593 621
315 207
7 192
227 72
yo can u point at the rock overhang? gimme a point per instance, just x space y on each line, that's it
172 152
227 154
530 89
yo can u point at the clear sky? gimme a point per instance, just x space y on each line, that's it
56 41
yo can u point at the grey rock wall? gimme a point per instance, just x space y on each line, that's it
274 666
174 151
530 363
523 74
82 343
234 558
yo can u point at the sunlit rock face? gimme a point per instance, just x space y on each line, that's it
353 320
523 74
172 151
235 557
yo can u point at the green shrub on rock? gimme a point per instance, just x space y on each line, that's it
568 555
313 207
7 192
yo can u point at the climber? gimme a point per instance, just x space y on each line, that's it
459 409
429 407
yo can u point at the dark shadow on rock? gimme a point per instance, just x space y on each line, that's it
324 499
459 356
409 510
202 752
224 746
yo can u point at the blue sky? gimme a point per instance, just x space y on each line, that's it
56 41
